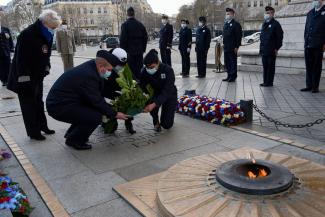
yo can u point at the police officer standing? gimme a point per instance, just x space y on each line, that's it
161 77
65 45
6 46
314 45
133 40
232 35
271 41
203 40
185 44
166 40
76 98
30 65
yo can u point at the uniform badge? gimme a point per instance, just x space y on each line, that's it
45 49
230 24
203 30
7 35
270 26
163 76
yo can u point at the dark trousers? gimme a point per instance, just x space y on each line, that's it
166 56
167 113
230 58
186 62
268 69
313 59
83 119
201 57
32 108
4 69
136 63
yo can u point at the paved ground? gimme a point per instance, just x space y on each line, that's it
83 181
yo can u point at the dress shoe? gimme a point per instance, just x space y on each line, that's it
305 89
185 76
315 90
231 80
226 79
48 131
200 76
4 84
266 85
38 137
78 146
157 128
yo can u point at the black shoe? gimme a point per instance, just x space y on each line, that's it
315 90
305 89
78 146
231 80
157 128
38 137
226 79
48 131
266 85
185 76
129 126
4 84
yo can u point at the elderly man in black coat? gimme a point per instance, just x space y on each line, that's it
314 45
133 40
76 98
166 40
6 47
31 63
271 41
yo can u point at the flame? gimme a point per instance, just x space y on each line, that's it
262 173
251 175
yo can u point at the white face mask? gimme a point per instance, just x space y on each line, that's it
267 17
64 27
228 17
151 71
316 4
164 21
119 69
183 25
200 24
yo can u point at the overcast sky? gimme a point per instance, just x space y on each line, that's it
169 7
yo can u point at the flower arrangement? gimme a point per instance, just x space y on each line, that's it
214 110
131 101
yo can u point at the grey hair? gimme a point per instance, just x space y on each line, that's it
50 17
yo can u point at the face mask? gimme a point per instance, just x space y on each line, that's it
183 25
106 75
228 17
52 31
267 17
151 71
316 4
64 27
200 24
119 69
164 21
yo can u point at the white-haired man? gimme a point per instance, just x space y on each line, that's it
31 63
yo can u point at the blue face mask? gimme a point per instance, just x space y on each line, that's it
119 69
52 31
106 75
151 71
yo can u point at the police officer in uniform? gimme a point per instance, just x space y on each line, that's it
6 46
31 63
185 44
76 98
166 40
232 35
203 40
133 40
162 79
314 45
271 41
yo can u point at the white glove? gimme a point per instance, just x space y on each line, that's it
188 50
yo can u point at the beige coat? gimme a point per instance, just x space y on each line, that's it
65 43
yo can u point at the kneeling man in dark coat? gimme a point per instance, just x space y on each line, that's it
76 98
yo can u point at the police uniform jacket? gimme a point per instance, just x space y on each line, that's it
203 39
271 37
134 37
166 36
185 39
78 86
315 28
31 62
232 35
163 83
6 44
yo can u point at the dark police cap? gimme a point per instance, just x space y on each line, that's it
269 8
185 21
203 19
151 57
113 60
130 9
164 16
230 10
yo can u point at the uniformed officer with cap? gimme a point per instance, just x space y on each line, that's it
270 42
314 45
6 47
185 44
161 77
76 98
166 40
232 35
203 40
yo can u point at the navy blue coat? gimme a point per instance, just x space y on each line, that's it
315 28
185 39
166 36
81 85
271 38
163 83
203 39
232 35
6 44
